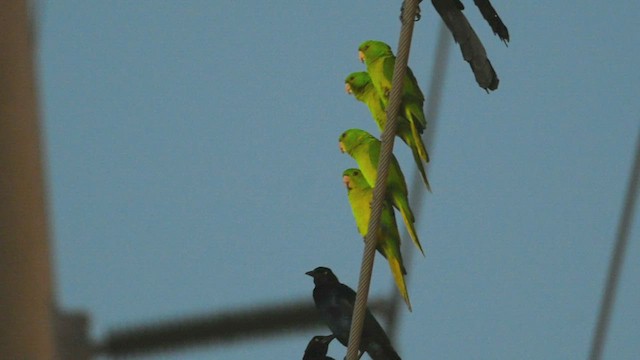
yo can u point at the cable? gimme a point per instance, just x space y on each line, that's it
438 72
388 135
617 258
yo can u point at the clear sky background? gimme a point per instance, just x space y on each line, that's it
193 167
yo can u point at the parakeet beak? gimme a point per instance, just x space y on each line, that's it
347 181
347 88
341 146
361 56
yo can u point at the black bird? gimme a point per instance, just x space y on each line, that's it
472 49
490 14
317 348
335 302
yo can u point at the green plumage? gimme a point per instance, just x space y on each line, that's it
365 150
380 61
388 239
360 86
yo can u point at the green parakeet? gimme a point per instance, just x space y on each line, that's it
365 150
360 86
360 197
380 62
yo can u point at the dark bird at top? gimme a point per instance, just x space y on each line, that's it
472 49
318 347
490 14
335 303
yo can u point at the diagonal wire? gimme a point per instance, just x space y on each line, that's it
617 259
388 134
434 97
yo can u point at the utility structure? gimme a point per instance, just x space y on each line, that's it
26 286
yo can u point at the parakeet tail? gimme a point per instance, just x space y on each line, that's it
418 161
409 220
417 141
397 270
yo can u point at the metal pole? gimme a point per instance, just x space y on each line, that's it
222 327
26 293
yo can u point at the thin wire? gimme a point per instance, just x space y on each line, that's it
388 135
438 72
617 258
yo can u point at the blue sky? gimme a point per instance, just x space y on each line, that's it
193 167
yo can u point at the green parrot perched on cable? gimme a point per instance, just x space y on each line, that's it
365 150
360 86
380 62
360 196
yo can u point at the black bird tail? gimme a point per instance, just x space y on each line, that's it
490 14
472 49
382 352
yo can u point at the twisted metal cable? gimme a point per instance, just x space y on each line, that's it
617 258
388 135
434 97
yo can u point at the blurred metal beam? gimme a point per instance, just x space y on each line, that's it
72 335
26 290
224 327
